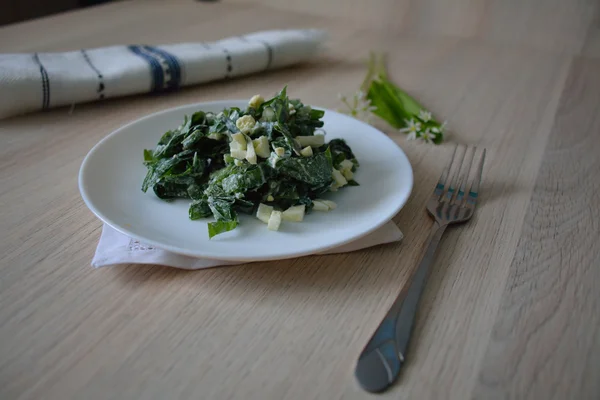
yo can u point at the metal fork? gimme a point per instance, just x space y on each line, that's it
379 363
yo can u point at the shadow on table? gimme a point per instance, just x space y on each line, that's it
310 274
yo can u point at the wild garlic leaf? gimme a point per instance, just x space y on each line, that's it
386 106
409 106
397 107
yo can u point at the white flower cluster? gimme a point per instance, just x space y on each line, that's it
358 107
423 127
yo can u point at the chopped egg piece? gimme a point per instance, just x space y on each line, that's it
294 213
268 114
274 221
331 204
261 146
312 141
256 101
245 123
346 165
264 212
238 139
339 178
251 154
239 154
320 206
236 146
306 152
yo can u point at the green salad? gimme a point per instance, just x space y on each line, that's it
269 160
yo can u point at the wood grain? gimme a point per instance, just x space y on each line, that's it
509 308
551 297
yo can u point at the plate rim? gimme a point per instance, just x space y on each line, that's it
182 251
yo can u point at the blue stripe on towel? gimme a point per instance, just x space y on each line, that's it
174 66
155 67
45 82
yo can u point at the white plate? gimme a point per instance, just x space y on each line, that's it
111 176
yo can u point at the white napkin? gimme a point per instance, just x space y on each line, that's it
115 248
30 82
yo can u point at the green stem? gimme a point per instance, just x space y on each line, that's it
371 65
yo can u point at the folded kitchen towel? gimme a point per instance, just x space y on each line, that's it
30 82
115 248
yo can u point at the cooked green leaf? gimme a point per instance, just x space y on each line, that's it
148 157
339 146
196 191
198 118
246 179
222 208
315 170
245 206
171 190
316 114
216 228
193 138
291 143
199 209
157 170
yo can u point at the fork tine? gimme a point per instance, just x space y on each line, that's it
465 173
439 189
474 190
455 176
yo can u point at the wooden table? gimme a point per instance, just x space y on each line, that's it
512 305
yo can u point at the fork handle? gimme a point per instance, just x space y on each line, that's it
379 363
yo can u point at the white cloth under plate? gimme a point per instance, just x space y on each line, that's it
31 82
115 248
